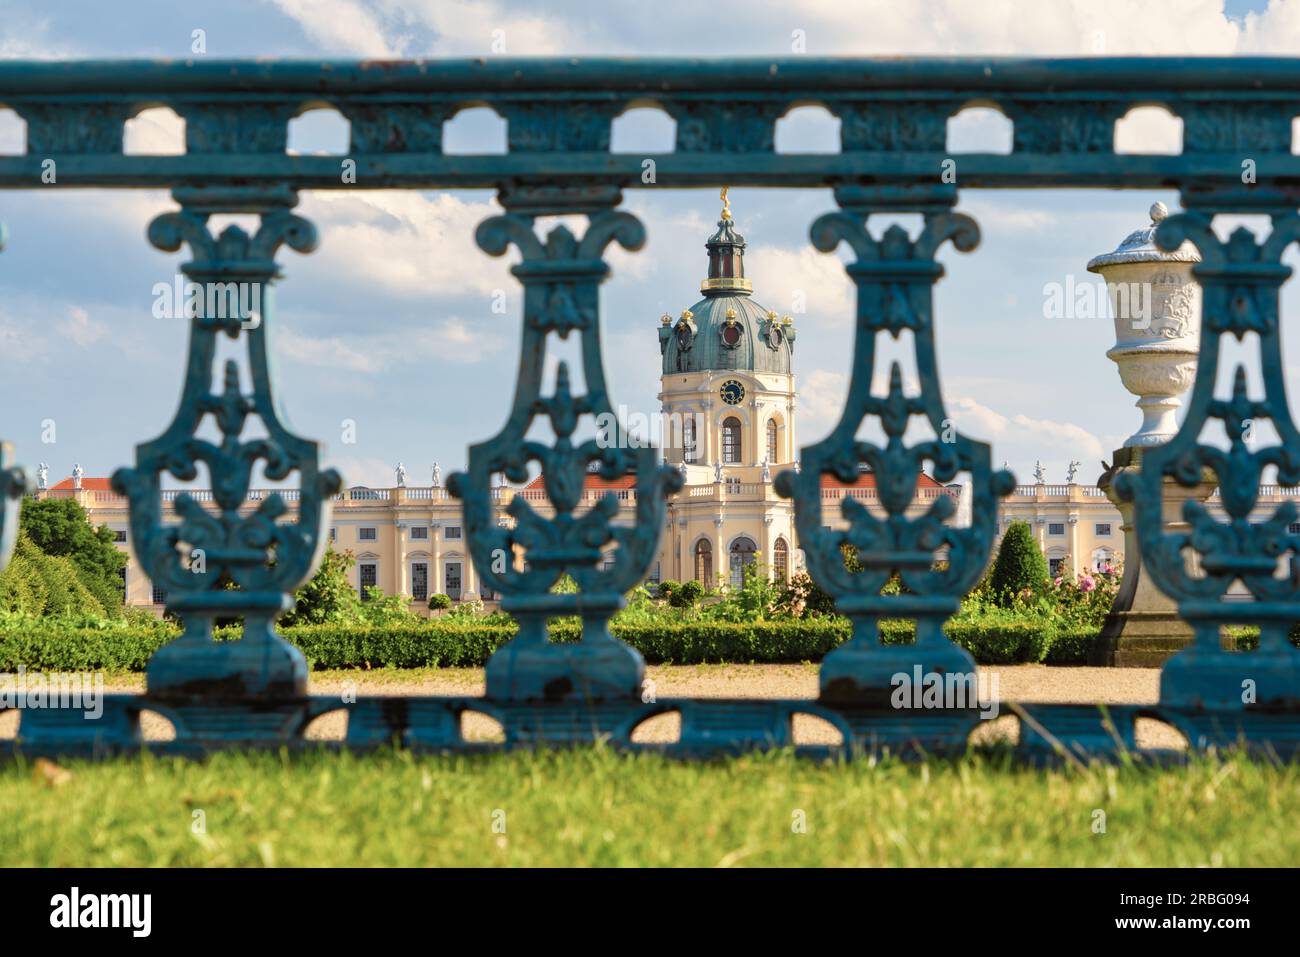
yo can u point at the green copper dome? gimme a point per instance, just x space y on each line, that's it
726 329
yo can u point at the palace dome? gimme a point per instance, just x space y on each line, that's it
726 329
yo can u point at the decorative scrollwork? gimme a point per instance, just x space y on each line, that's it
894 277
1241 278
561 278
225 560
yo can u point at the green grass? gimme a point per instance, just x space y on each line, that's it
591 806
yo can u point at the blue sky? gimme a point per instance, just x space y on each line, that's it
390 324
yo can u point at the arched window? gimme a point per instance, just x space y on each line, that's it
731 441
688 438
704 563
742 553
781 560
771 441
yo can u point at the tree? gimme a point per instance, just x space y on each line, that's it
35 583
60 527
327 596
1020 565
687 595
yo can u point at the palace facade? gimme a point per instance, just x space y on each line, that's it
727 394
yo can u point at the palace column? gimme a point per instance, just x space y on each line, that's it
1074 545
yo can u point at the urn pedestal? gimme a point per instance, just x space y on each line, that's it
1156 304
1143 629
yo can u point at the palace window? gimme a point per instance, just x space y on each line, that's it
159 595
420 533
1103 528
453 531
689 450
365 534
452 575
1294 528
704 563
781 560
1055 528
119 534
121 574
731 441
420 581
742 553
1055 566
367 578
334 534
771 440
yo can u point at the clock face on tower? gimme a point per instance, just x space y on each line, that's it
732 392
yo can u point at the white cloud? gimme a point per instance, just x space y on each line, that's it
482 27
819 404
451 339
18 344
1022 439
80 328
158 131
344 27
330 352
411 244
791 276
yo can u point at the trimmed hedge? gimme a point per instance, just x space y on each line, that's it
443 643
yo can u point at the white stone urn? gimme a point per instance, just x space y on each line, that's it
1157 309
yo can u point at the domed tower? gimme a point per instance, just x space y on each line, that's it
727 385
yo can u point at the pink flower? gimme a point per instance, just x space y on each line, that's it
1057 581
1087 582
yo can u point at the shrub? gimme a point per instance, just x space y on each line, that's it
687 596
1020 566
327 596
71 643
438 601
36 583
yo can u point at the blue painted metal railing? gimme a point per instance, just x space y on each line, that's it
893 114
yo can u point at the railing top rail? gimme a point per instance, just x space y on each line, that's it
559 115
528 76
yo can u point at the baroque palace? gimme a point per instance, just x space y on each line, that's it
728 388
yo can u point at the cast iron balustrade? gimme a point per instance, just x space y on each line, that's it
893 114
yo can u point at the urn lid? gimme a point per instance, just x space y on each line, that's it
1140 247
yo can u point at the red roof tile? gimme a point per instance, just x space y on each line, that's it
594 481
868 480
93 484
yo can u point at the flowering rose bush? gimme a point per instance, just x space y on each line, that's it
1086 599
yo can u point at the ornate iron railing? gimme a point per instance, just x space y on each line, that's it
893 114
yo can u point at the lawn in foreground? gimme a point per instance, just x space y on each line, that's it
592 806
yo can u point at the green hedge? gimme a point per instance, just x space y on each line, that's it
441 643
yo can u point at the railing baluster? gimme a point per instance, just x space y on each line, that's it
561 276
894 276
209 549
1241 278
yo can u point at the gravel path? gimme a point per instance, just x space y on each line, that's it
1014 683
